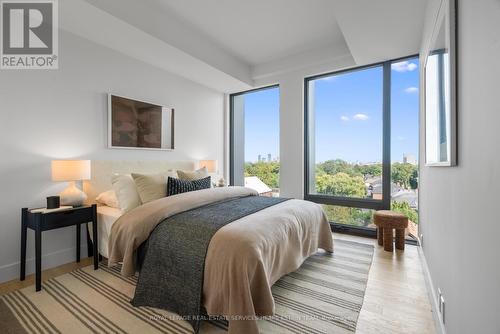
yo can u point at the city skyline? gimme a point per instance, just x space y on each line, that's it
264 158
409 156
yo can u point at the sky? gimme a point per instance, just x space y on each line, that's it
262 124
348 116
405 105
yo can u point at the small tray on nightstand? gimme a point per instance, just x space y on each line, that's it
45 210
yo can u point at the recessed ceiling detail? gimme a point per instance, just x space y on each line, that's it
248 40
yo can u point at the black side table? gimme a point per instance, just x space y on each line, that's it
40 222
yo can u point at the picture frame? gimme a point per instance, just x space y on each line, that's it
136 124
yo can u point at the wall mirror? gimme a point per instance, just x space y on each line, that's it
440 90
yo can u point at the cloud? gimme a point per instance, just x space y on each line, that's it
344 118
330 78
404 66
411 90
401 138
360 117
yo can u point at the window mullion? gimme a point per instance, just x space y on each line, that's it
386 150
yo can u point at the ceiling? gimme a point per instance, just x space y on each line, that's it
381 30
258 31
247 40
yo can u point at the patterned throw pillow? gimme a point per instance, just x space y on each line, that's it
178 186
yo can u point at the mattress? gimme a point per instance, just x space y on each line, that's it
106 217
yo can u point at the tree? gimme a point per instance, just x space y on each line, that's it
340 184
369 170
267 172
404 208
333 167
348 216
414 179
402 173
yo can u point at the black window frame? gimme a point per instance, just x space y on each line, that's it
362 203
231 125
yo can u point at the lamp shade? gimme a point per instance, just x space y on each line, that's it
70 170
210 164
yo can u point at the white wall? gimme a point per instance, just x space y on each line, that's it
61 114
459 205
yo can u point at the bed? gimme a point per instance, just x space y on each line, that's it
170 239
106 217
101 172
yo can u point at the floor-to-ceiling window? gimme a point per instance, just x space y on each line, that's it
255 140
405 86
362 141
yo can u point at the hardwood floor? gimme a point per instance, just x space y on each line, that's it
396 299
46 274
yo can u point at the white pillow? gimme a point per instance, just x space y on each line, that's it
126 192
108 198
193 175
152 186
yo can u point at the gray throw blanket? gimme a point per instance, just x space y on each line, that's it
172 268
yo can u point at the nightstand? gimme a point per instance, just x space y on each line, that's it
45 221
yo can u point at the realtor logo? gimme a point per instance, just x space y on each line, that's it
29 34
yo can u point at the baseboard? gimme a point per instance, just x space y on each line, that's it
440 329
11 271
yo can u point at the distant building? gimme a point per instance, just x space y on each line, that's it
408 196
398 194
409 159
376 190
267 158
253 182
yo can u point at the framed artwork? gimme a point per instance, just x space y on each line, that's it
134 124
440 82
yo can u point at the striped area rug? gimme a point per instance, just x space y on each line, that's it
324 295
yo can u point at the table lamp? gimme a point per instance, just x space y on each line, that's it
211 165
71 171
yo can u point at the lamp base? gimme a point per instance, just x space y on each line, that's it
72 195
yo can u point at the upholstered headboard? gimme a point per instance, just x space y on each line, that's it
102 170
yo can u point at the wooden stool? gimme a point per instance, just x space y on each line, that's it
386 221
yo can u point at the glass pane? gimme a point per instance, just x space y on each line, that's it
437 100
404 140
349 216
345 134
261 140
